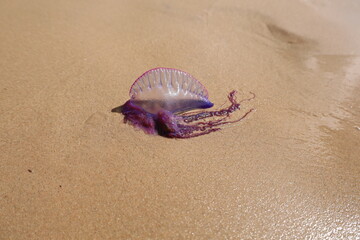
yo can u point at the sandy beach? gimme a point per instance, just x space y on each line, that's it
71 169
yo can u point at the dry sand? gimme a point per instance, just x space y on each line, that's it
71 169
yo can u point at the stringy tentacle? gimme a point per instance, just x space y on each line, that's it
203 128
177 126
192 134
222 122
249 99
226 111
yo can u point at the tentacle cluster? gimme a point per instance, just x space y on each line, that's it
183 125
180 130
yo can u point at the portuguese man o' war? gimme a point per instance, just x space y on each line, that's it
160 101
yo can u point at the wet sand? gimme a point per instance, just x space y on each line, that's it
71 169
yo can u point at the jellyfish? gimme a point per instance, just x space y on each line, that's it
162 101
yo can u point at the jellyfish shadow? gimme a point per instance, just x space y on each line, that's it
139 119
118 109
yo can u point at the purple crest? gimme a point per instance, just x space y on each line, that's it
161 98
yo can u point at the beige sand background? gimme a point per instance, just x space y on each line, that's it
70 169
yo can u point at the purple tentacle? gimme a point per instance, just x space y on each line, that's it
170 125
226 111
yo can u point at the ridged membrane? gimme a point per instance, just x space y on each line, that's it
169 89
